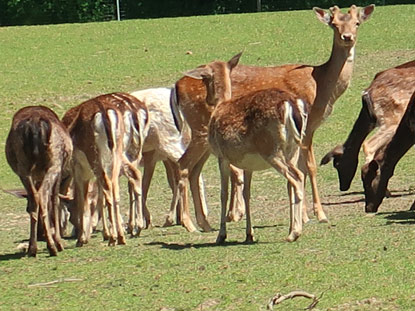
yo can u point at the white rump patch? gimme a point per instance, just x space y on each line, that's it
291 127
105 154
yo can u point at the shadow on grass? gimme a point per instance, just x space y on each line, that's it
399 217
178 246
13 256
394 194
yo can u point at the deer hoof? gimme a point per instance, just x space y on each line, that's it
293 236
249 239
221 239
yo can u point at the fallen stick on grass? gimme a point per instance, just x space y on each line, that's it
278 298
54 282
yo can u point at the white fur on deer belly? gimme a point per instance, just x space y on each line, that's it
250 162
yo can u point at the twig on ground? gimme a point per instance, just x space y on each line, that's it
278 298
54 282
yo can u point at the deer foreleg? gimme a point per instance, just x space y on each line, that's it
312 172
224 180
199 198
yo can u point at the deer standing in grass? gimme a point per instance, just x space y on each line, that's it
320 86
108 134
162 143
254 132
38 149
383 104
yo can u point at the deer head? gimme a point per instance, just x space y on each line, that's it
344 25
375 185
216 77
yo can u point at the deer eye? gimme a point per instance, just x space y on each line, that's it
357 24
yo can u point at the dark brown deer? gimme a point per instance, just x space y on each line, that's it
320 86
376 173
383 105
38 149
254 132
108 133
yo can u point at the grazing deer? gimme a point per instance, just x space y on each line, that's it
108 132
254 132
376 173
38 149
320 86
383 105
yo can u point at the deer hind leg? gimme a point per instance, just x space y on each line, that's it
81 197
247 198
236 204
44 209
295 180
33 210
118 217
105 183
304 213
198 193
172 172
136 219
149 166
224 168
82 176
56 212
102 214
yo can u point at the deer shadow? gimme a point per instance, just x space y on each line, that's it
12 256
399 217
394 194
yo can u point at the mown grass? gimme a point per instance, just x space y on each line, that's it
359 262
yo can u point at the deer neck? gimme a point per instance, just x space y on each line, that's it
333 78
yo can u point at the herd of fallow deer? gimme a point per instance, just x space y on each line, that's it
252 118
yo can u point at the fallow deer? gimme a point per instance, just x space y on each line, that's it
254 132
320 86
38 149
108 134
383 105
162 143
376 173
191 163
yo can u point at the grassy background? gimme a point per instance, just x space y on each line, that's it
360 262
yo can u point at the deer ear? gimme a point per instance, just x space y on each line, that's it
335 152
322 15
365 13
199 73
19 193
234 61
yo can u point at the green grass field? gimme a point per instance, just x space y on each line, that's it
358 262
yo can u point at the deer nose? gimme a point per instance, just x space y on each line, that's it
347 37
